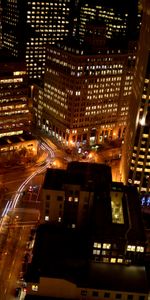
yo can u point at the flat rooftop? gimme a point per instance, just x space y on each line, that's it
63 253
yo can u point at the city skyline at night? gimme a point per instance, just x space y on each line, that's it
74 149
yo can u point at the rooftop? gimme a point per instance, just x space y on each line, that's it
87 175
71 263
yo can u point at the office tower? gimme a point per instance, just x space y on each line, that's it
122 21
86 89
28 26
136 157
14 26
15 115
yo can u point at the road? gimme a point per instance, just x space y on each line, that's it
19 213
12 261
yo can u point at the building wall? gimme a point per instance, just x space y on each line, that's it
53 205
15 114
64 289
74 214
118 21
136 152
85 97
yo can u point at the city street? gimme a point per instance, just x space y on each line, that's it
19 213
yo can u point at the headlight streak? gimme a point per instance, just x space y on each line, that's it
14 199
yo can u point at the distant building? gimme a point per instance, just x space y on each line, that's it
29 25
136 155
15 107
92 244
122 21
86 90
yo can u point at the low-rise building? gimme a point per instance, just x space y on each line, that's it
91 243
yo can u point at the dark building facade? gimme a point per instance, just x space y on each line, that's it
96 246
28 26
122 21
84 197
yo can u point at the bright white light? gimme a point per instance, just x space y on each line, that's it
142 121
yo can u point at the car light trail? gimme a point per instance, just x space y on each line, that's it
14 199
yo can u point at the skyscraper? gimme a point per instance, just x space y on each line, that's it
15 114
136 157
122 20
86 89
28 26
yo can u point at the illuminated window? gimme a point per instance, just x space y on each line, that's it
96 252
70 199
106 246
139 249
76 199
34 288
97 245
119 260
130 248
113 260
46 218
116 207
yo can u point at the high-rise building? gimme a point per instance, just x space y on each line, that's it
86 90
122 21
136 157
15 115
28 26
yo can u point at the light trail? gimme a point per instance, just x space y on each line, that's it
11 204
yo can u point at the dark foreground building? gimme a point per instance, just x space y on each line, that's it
96 248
